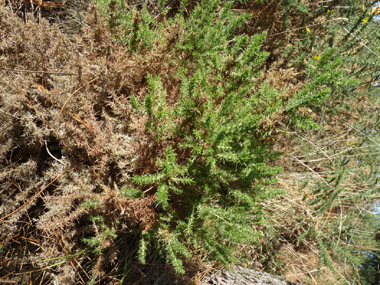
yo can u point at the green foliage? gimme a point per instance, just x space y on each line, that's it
131 192
90 204
214 165
287 5
93 242
96 242
135 25
213 170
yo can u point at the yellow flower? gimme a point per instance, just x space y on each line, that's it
308 30
365 20
376 12
316 57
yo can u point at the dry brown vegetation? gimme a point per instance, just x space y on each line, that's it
66 139
69 136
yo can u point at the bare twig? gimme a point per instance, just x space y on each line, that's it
18 187
52 156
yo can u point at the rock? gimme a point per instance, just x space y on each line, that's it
244 276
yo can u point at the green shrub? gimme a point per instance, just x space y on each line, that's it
213 166
166 133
